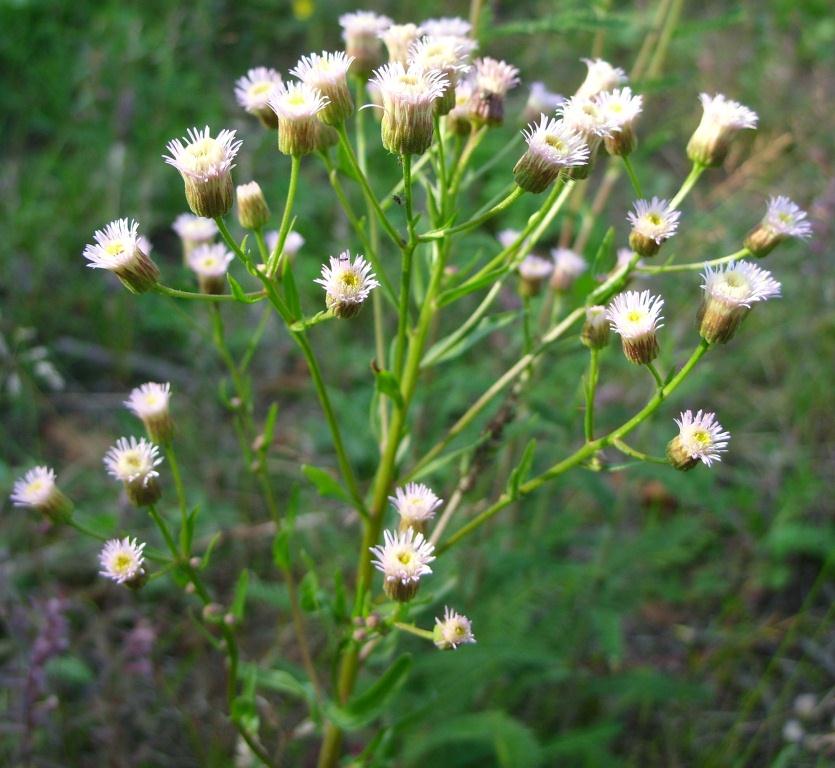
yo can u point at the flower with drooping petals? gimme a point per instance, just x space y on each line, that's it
700 438
398 39
636 317
328 74
205 163
38 490
347 284
653 223
116 249
253 92
721 120
552 146
297 106
601 76
361 32
568 266
453 630
150 402
622 109
408 106
403 558
447 55
134 463
210 263
492 80
782 220
415 503
730 290
121 560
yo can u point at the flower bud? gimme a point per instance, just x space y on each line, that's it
635 318
206 167
595 333
533 272
150 402
782 220
38 490
416 504
361 32
601 76
398 39
621 109
493 79
117 250
721 120
253 211
253 93
446 55
297 106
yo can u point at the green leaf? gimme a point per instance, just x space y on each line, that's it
280 681
281 548
238 292
326 484
291 293
187 529
451 347
604 253
444 459
387 384
521 471
239 600
309 592
453 294
370 703
204 563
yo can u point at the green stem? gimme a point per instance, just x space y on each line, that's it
473 140
406 271
630 451
262 245
659 382
442 179
286 218
695 173
503 205
413 630
696 265
171 456
636 185
591 388
175 293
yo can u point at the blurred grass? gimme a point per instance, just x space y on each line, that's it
621 617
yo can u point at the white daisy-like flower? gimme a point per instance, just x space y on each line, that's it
568 266
399 38
116 249
415 503
210 263
587 118
132 460
622 108
361 32
653 222
206 164
453 630
601 76
403 558
636 317
534 271
121 560
297 106
448 26
552 146
194 230
347 283
540 101
721 120
491 82
447 55
292 243
253 92
38 490
328 74
150 402
783 219
700 438
508 237
408 106
730 290
459 119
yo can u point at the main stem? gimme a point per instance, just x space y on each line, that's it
286 218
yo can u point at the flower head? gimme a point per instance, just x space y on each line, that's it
552 146
601 76
398 39
415 503
568 266
730 290
448 26
700 438
533 272
193 231
347 283
253 92
653 222
493 79
621 107
540 101
783 219
134 463
38 490
150 402
253 211
361 32
459 119
403 558
205 163
636 317
297 106
116 249
292 243
447 55
408 106
453 630
721 120
210 263
595 333
121 561
584 116
328 74
507 237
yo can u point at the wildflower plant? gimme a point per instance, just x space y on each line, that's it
405 260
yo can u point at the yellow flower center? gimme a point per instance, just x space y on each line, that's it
349 280
114 248
259 89
36 486
296 99
654 218
701 437
555 141
634 316
122 563
405 557
203 154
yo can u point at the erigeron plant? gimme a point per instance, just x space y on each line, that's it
434 138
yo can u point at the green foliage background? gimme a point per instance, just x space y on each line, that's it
622 617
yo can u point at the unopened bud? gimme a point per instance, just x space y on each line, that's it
595 333
253 211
